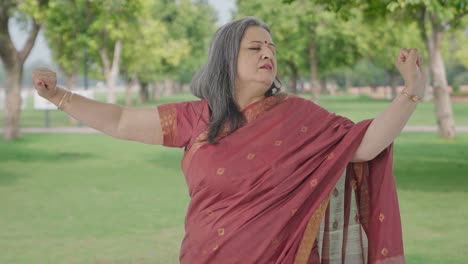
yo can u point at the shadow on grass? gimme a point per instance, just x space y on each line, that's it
18 153
21 150
26 155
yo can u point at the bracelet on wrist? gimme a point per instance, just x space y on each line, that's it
411 97
63 101
59 106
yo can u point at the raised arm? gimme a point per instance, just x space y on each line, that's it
389 123
136 124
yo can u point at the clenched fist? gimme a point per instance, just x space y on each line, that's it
409 63
45 82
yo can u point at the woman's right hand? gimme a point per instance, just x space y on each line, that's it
45 82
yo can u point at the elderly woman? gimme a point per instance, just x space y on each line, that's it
273 178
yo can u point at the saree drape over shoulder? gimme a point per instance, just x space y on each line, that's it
281 189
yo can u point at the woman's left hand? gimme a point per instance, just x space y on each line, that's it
409 63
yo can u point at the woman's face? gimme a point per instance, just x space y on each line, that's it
256 62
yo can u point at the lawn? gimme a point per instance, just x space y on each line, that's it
93 199
352 106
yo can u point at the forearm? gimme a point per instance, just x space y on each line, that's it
98 115
385 128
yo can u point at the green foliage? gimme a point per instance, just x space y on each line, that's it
459 40
79 25
297 25
195 22
35 9
445 11
171 40
66 34
388 37
150 46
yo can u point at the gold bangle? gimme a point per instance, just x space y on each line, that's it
59 106
412 97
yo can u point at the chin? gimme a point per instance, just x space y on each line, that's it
268 84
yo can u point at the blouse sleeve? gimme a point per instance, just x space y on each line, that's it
179 121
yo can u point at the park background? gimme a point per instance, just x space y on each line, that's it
71 195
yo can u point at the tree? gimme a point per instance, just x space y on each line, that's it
434 19
98 29
310 36
65 32
192 22
111 21
32 13
388 37
461 53
287 35
153 49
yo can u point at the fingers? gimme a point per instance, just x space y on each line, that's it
44 78
413 56
404 53
39 83
419 61
409 55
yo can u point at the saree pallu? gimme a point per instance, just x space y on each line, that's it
281 189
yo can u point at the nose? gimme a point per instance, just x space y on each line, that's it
266 53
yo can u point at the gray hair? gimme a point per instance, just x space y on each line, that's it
215 81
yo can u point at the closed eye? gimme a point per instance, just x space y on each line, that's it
254 48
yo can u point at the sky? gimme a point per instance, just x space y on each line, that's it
40 54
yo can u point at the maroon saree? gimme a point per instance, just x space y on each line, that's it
281 189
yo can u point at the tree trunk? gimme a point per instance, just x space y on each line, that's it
131 83
13 61
128 94
347 82
12 111
315 87
323 86
433 39
293 78
292 84
301 85
111 70
168 87
144 93
177 87
443 105
156 91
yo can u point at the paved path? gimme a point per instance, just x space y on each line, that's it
87 130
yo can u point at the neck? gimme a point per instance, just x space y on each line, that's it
243 103
247 95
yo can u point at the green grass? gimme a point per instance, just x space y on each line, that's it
89 198
354 107
93 199
432 179
358 108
